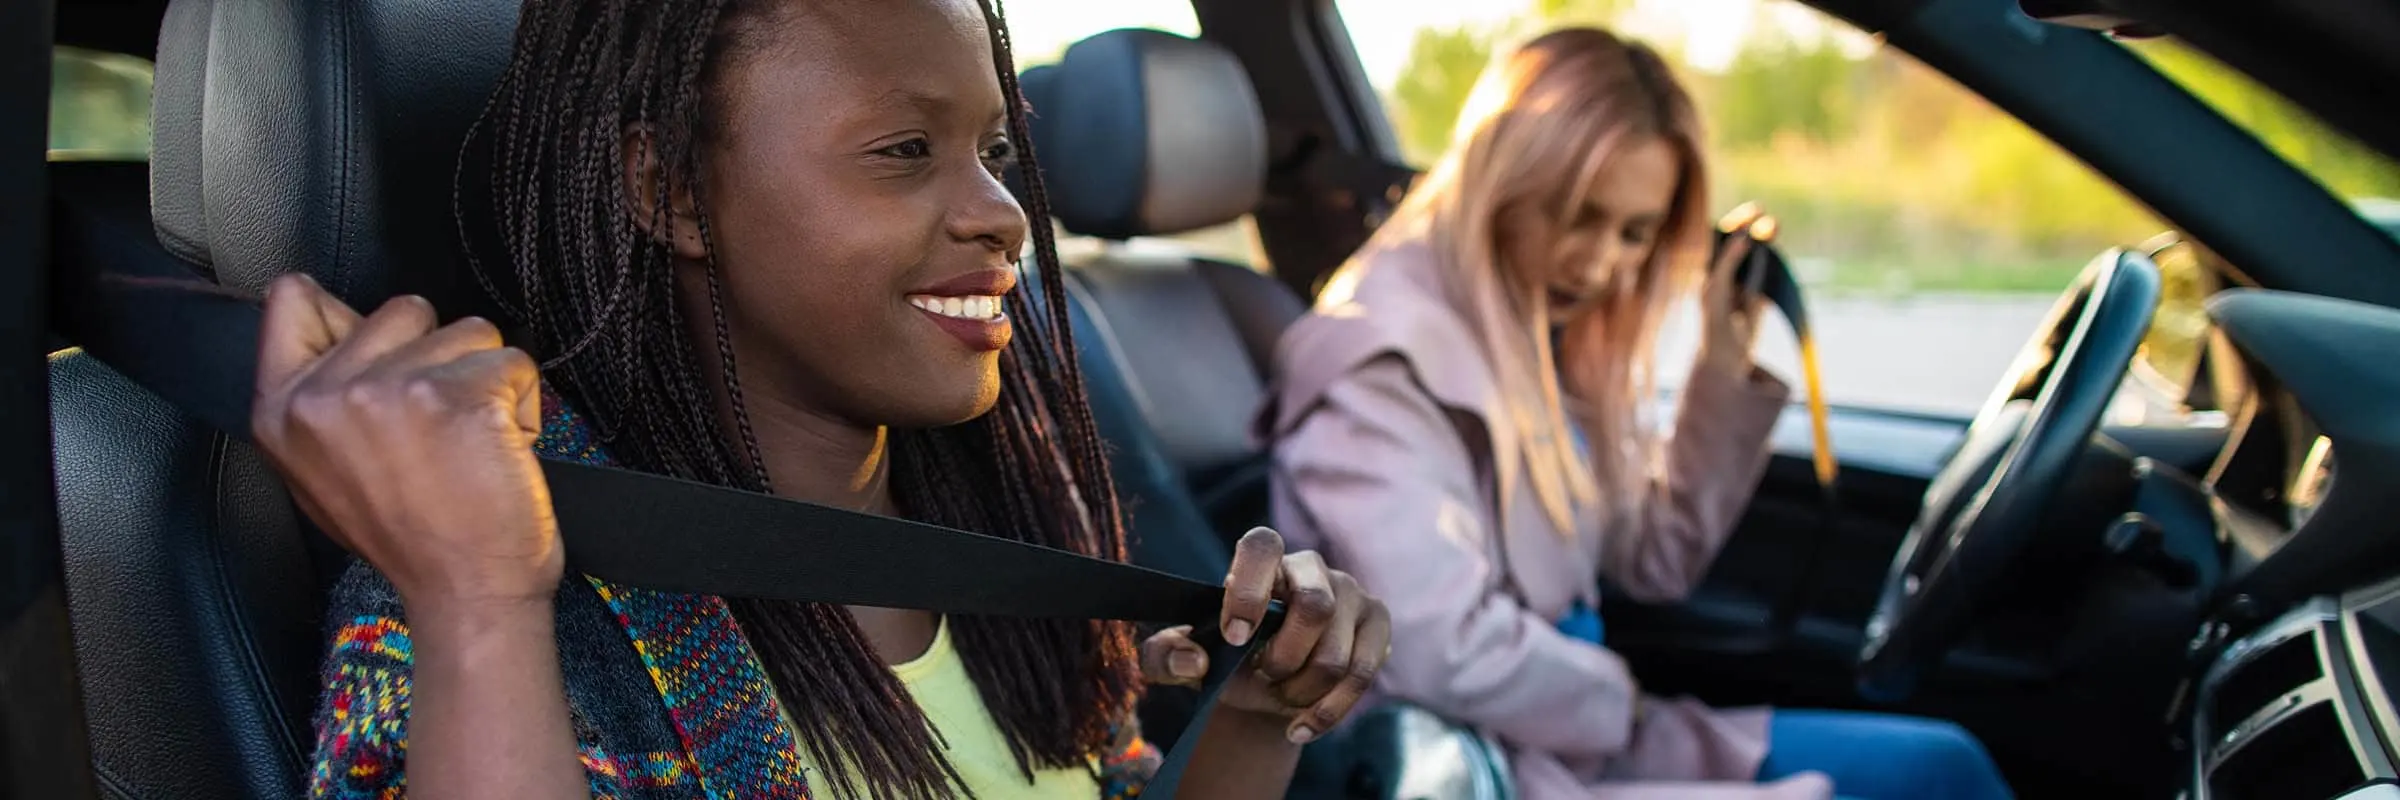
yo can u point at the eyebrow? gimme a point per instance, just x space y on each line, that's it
929 104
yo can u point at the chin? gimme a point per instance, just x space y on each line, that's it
951 401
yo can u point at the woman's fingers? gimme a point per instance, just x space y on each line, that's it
1171 658
1325 666
1334 638
1371 644
1764 227
1740 217
1762 231
1257 567
505 376
301 324
1729 259
1750 227
398 322
1311 611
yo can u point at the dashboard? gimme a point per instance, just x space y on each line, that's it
2303 707
2310 480
2304 703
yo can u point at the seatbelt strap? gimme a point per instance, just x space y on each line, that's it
169 331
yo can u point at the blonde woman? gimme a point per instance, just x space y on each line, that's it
1459 425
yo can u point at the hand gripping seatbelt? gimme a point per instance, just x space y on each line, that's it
164 327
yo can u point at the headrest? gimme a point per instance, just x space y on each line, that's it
1144 133
320 137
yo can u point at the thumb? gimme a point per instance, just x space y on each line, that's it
1171 658
301 323
507 378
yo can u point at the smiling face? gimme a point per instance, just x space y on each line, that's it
1583 249
854 201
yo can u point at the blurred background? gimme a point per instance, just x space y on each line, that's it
1932 230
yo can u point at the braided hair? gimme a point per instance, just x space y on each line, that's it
597 296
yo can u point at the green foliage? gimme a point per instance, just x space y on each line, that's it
1580 12
1781 86
1442 67
99 105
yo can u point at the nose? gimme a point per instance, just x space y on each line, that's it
987 214
1597 269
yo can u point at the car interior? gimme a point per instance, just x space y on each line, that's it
2153 610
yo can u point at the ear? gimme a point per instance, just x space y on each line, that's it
645 176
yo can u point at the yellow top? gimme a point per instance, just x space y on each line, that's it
973 741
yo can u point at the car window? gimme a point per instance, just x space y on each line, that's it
2353 171
1931 230
99 106
1040 33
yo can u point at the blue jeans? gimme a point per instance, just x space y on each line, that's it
1882 756
1868 756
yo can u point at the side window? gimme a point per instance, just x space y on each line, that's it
99 106
1041 33
1932 230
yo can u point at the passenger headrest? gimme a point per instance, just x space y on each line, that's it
320 137
1146 133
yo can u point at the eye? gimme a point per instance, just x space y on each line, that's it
999 153
1638 235
912 149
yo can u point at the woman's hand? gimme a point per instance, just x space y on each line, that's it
1731 308
1315 669
409 444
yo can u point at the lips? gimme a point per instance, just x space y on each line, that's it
1563 301
987 282
972 308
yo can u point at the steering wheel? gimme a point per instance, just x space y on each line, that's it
1987 503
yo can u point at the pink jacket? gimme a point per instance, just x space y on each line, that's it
1384 462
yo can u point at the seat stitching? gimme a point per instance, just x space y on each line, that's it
344 110
254 662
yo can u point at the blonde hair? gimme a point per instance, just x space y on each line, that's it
1540 127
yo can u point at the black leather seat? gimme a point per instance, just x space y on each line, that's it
190 586
288 135
1145 134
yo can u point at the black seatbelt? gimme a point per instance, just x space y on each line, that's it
167 329
1765 273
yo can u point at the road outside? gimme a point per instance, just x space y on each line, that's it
1931 352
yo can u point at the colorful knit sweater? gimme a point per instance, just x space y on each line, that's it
667 698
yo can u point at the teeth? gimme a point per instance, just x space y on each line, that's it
972 307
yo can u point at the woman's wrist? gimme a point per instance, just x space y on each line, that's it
1246 754
462 615
1256 726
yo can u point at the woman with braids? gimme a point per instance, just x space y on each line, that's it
765 244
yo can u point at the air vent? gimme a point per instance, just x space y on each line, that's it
2285 666
2302 756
